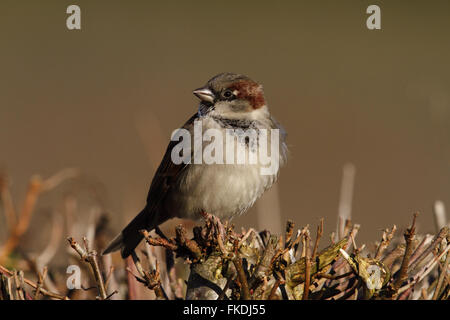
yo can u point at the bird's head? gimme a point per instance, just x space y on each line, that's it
232 95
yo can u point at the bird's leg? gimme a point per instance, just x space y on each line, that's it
217 224
220 228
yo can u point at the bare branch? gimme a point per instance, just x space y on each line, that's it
409 236
90 256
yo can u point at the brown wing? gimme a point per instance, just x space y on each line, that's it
165 176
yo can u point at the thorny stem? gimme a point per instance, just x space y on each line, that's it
289 231
441 278
91 258
150 279
43 291
222 295
308 267
386 239
237 261
40 283
443 233
409 236
424 271
318 236
274 289
158 242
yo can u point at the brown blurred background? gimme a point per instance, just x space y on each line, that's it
105 99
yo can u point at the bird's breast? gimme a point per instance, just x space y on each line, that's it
223 190
226 184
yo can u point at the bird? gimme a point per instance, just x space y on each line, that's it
229 102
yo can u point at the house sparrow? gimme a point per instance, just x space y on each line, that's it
189 190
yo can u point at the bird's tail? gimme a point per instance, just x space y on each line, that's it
130 237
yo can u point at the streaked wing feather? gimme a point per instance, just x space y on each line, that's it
166 175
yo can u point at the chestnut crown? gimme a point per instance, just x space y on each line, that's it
237 91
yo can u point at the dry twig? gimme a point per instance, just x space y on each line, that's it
90 256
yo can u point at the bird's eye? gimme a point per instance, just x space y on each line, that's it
227 94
